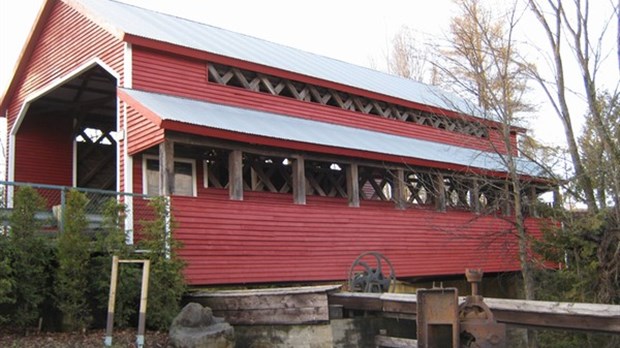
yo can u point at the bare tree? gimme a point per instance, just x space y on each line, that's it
557 19
481 63
594 237
409 59
617 11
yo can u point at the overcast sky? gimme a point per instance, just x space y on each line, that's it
355 31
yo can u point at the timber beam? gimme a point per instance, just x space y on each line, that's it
557 315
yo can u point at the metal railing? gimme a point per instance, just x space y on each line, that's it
55 198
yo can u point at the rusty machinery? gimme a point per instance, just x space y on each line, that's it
366 273
442 322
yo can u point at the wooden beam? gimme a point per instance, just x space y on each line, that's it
299 180
440 192
353 185
559 315
284 306
394 342
235 175
474 196
166 168
507 205
399 189
533 201
557 198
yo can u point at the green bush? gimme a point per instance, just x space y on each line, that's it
71 284
30 258
166 285
7 279
111 241
70 276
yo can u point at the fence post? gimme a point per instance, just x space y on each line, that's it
63 203
168 227
111 302
129 219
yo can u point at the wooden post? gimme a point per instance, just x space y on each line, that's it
533 201
166 168
474 196
440 193
111 302
299 181
353 185
235 174
146 264
557 198
143 298
399 189
507 206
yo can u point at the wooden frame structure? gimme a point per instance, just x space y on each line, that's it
299 167
146 265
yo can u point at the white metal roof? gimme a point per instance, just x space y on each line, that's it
183 32
277 126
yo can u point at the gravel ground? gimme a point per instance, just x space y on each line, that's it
94 338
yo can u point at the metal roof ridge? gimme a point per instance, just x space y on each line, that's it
368 79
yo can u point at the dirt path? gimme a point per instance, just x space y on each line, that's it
93 338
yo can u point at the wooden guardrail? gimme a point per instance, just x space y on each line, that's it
560 315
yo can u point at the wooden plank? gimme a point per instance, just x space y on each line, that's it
382 341
235 170
357 301
399 190
274 291
299 181
269 306
559 315
166 168
276 316
353 185
440 192
474 198
253 302
582 316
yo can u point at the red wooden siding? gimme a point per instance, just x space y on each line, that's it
44 150
266 238
141 132
67 40
166 73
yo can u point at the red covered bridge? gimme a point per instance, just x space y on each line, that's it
281 165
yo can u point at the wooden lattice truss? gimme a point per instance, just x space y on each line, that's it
258 82
420 187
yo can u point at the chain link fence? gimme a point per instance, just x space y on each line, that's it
55 198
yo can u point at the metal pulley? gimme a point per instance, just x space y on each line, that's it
477 324
366 273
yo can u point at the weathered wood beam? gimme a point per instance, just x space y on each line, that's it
399 189
353 185
166 168
507 202
557 197
558 315
533 201
395 342
474 197
286 306
235 174
439 192
299 180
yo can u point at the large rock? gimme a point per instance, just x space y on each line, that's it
196 327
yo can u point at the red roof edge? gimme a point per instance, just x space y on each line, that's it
24 56
143 110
